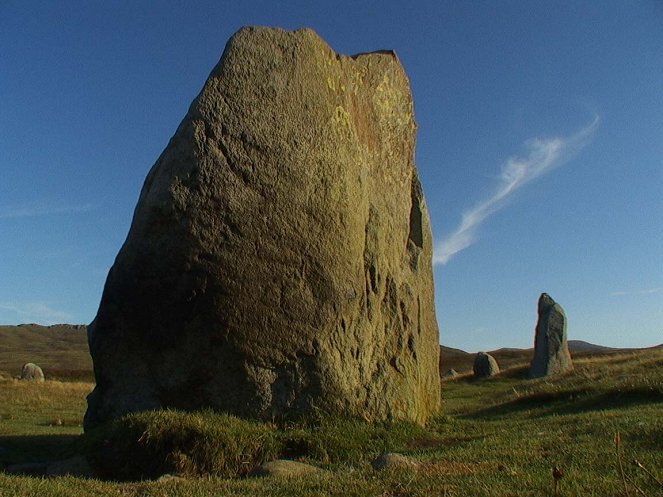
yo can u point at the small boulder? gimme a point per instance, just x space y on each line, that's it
284 468
392 460
32 372
551 350
168 478
77 466
451 373
485 365
27 468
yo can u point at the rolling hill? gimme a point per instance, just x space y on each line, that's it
62 352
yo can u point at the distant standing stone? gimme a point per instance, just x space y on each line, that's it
551 350
32 372
451 373
485 365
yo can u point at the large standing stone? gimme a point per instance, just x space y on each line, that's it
551 351
279 259
31 372
485 365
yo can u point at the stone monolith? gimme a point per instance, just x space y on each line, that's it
279 258
551 350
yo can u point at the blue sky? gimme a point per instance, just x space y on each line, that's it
540 147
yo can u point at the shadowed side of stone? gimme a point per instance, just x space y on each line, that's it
551 350
279 258
485 365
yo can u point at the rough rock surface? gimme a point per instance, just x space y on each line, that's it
450 373
279 258
485 365
392 460
551 350
284 468
32 372
77 466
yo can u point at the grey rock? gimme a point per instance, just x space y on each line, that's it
551 350
27 468
392 460
284 468
450 373
32 372
279 261
75 466
485 365
168 478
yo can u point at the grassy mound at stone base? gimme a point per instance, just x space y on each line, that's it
149 444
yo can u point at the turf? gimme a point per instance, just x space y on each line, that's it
497 437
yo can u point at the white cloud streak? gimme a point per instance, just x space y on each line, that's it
38 210
34 312
648 291
544 155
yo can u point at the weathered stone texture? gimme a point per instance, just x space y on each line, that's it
551 350
485 365
32 372
279 259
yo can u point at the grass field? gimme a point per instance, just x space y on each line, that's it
498 437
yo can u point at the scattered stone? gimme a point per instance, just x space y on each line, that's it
75 466
32 372
551 350
168 478
451 373
280 255
485 365
27 468
392 460
284 468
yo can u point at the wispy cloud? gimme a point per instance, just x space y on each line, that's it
544 155
648 291
34 312
41 209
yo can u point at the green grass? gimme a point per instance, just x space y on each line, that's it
60 350
498 437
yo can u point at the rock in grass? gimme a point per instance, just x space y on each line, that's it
279 259
451 373
75 466
284 468
551 350
32 372
28 469
392 460
485 365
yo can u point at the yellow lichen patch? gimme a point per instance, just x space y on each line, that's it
342 116
388 100
331 84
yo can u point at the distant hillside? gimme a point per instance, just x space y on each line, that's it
60 350
462 361
578 346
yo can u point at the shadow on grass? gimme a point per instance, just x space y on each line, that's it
570 402
18 449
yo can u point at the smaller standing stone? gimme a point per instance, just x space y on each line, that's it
551 351
32 372
451 373
485 365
